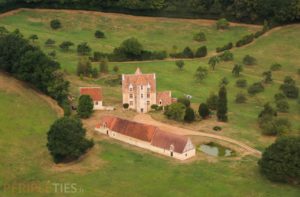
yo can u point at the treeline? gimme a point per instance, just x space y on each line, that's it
276 11
28 63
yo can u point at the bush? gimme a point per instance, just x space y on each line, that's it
97 56
241 83
65 46
212 101
187 53
103 66
282 105
275 67
52 54
280 161
85 106
226 56
217 128
249 60
189 115
49 42
245 40
95 73
201 52
154 107
84 67
275 126
201 73
259 33
222 23
66 140
289 88
256 88
125 105
200 37
116 69
240 98
279 96
225 47
224 81
203 110
184 101
83 49
99 34
55 24
180 64
175 111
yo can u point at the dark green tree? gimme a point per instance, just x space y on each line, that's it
213 61
203 110
201 52
49 42
222 105
201 73
55 24
116 69
200 37
268 77
33 37
65 46
187 53
66 140
99 34
289 88
189 115
180 64
212 101
175 111
83 49
85 106
237 69
184 101
222 23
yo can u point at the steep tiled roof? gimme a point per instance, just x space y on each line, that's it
94 92
164 140
138 79
165 97
148 133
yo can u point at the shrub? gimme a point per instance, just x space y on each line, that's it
280 161
49 42
240 98
125 105
255 88
52 54
212 101
154 107
245 40
275 67
84 67
289 88
99 34
282 105
175 111
217 128
83 49
213 61
97 56
103 66
180 64
55 24
241 83
116 69
85 106
66 140
201 73
200 37
268 77
201 52
66 45
189 115
268 111
249 60
184 101
279 96
226 56
225 47
224 81
95 73
237 69
222 23
259 33
187 53
275 126
203 110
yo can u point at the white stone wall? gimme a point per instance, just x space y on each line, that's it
146 145
98 105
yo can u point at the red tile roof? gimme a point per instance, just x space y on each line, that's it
165 97
94 92
148 133
138 79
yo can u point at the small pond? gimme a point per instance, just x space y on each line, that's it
216 150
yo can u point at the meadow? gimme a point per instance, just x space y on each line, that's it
115 169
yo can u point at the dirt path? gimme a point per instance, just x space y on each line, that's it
147 119
11 84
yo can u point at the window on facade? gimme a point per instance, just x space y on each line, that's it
148 102
148 89
130 89
130 96
148 95
160 102
96 103
131 103
142 95
142 87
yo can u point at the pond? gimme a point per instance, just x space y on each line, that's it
216 150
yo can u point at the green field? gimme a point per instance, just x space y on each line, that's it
111 169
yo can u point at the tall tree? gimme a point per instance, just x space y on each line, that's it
103 67
222 105
237 69
213 61
85 106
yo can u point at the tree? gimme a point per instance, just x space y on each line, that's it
99 34
268 110
222 24
222 105
187 53
224 81
55 24
268 77
274 126
289 88
52 54
131 48
203 110
116 69
226 56
280 161
83 49
125 105
95 73
84 67
256 88
180 64
212 101
240 98
201 73
213 61
33 37
282 105
189 115
49 42
200 37
65 46
201 52
103 66
66 140
275 67
175 111
237 69
184 101
249 60
85 106
241 83
3 31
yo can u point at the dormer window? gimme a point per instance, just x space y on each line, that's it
148 87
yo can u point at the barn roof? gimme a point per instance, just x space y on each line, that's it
94 92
